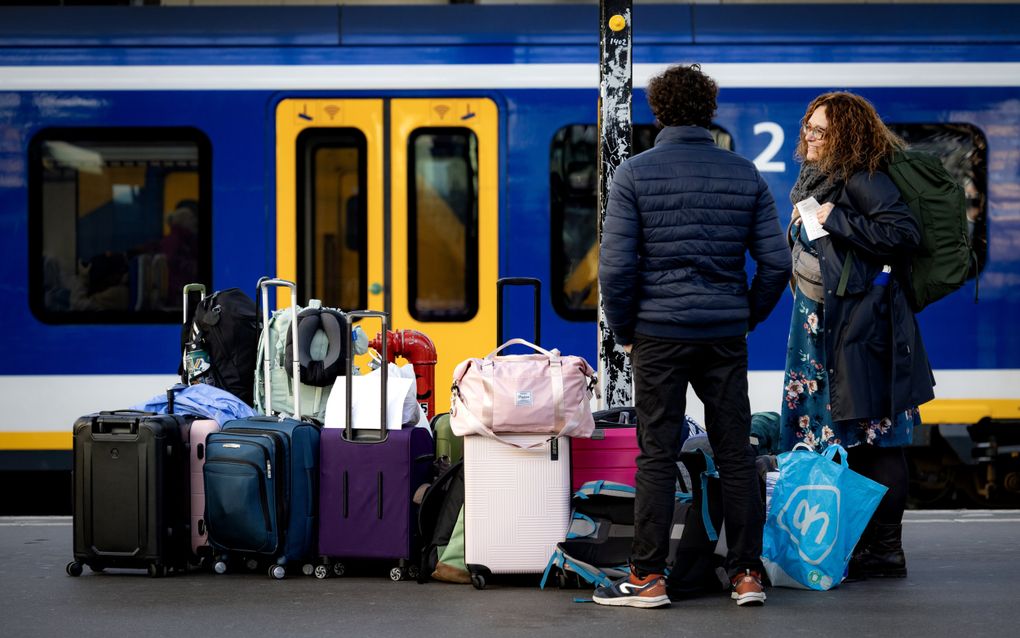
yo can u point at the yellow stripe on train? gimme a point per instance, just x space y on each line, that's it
35 440
969 411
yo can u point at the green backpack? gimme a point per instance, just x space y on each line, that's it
945 258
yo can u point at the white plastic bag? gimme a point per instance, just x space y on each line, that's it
401 400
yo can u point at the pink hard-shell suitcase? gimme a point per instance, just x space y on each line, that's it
194 433
611 452
195 440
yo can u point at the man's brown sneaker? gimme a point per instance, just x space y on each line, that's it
631 591
747 589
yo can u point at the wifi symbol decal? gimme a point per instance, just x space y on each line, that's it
441 110
331 110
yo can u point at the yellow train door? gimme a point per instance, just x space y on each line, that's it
393 205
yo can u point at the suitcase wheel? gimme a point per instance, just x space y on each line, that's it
322 571
396 574
73 568
251 564
277 572
338 569
478 581
308 569
220 567
412 571
157 571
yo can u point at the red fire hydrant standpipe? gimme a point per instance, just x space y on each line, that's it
418 350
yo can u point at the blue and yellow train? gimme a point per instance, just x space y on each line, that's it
403 158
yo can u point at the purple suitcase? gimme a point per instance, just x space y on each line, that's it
366 484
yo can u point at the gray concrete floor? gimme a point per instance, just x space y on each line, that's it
964 581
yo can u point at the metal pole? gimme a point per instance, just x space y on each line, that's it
615 73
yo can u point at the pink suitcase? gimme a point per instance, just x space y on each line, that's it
195 441
611 452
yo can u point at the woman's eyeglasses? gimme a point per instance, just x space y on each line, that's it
816 132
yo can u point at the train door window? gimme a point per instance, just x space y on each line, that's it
963 150
442 224
573 200
119 222
332 219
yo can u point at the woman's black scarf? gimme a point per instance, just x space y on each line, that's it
812 182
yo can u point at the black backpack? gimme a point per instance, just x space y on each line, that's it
225 325
437 516
697 569
597 548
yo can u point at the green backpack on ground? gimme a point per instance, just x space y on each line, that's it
945 258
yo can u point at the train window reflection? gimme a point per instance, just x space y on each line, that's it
120 221
332 218
443 224
573 214
963 150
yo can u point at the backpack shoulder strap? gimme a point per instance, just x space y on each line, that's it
844 276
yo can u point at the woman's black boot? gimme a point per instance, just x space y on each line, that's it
883 556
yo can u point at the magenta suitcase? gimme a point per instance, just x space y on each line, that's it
611 452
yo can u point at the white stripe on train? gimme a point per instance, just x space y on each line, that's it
70 396
493 76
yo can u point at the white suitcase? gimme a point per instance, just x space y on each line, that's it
516 504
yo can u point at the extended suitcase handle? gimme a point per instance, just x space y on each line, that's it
518 281
188 289
264 284
349 318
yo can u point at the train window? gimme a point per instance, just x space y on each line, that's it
964 152
332 218
573 214
443 256
119 222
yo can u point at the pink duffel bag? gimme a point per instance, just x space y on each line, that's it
541 393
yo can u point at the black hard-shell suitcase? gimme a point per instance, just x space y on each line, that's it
130 510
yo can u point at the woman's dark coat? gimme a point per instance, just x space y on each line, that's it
877 362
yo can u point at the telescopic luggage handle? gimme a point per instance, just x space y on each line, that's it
264 284
518 281
188 289
384 376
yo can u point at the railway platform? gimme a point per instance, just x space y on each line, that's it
964 579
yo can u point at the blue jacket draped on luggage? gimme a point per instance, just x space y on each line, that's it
680 220
201 400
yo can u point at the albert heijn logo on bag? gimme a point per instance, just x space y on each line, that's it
811 519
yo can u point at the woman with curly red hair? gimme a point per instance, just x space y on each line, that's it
856 368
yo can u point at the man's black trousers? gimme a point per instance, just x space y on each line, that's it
718 373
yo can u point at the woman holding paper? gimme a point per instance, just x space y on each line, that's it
856 368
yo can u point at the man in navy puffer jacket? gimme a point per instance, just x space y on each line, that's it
680 220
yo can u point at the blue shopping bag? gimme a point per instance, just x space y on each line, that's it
819 510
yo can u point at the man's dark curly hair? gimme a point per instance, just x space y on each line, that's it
683 96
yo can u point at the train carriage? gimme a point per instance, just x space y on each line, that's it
403 158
